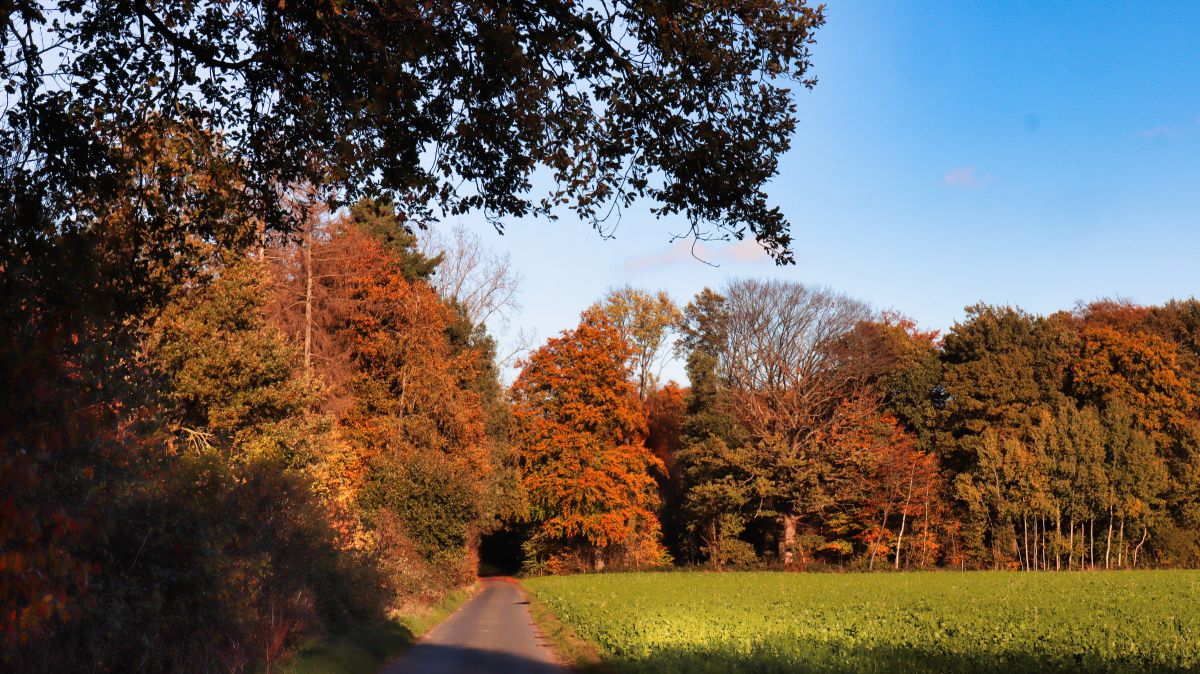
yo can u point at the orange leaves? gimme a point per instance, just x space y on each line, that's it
1138 369
581 428
408 374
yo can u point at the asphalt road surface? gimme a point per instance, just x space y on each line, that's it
491 634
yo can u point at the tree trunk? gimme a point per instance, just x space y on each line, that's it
1108 543
1045 558
1016 546
904 514
1121 546
1025 536
1071 545
875 544
900 537
788 539
1036 539
1138 549
1092 542
308 298
1057 539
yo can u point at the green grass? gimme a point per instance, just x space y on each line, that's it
1143 621
578 653
367 648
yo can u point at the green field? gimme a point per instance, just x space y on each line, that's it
1144 621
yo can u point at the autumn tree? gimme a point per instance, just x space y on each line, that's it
229 378
715 464
779 363
887 488
902 366
581 432
646 321
78 288
1136 380
1137 369
417 428
1002 367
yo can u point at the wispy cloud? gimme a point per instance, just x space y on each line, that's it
962 176
1161 131
742 252
671 255
746 251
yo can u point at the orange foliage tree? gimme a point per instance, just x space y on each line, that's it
417 461
665 408
1138 369
581 431
408 477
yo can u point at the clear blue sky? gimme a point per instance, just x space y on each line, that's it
1025 153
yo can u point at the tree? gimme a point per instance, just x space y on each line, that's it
902 366
1002 369
715 464
229 379
704 326
468 275
885 483
645 320
1138 369
581 431
81 276
665 408
779 362
449 108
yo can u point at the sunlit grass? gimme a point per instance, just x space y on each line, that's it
1147 621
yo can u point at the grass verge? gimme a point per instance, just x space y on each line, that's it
367 648
571 649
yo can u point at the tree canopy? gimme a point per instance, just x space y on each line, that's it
509 108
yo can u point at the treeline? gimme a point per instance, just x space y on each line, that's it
249 446
818 432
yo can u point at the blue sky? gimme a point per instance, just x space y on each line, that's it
1024 153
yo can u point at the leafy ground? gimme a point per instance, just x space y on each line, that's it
1143 621
367 648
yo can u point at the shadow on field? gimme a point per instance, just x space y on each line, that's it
899 660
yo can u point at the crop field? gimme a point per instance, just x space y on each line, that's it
1143 621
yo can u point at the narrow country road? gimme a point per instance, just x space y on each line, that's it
491 634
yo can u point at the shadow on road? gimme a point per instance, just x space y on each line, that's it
427 658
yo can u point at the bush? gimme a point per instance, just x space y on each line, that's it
209 566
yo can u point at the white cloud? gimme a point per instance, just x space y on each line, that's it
1161 131
746 251
670 256
962 176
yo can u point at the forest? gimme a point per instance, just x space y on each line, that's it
248 393
816 431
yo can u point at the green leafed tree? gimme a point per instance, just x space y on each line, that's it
447 107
